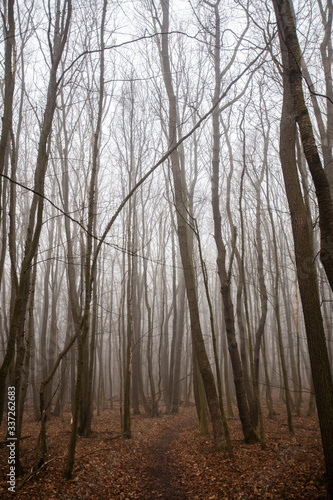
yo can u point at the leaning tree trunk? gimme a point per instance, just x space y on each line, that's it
306 271
292 60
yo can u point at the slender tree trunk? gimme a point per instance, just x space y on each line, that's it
175 332
217 364
43 332
249 379
64 364
128 366
262 287
276 296
269 400
178 346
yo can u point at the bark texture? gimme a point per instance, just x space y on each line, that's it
294 111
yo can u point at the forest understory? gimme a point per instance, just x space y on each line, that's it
168 459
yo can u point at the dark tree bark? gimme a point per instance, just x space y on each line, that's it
293 110
291 59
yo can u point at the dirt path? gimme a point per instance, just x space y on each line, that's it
154 470
162 471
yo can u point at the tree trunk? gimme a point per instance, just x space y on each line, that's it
291 57
306 272
7 118
276 287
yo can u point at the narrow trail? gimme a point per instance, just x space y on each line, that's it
159 473
162 471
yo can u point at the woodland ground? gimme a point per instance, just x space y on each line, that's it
167 459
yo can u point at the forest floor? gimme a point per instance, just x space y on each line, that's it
167 459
